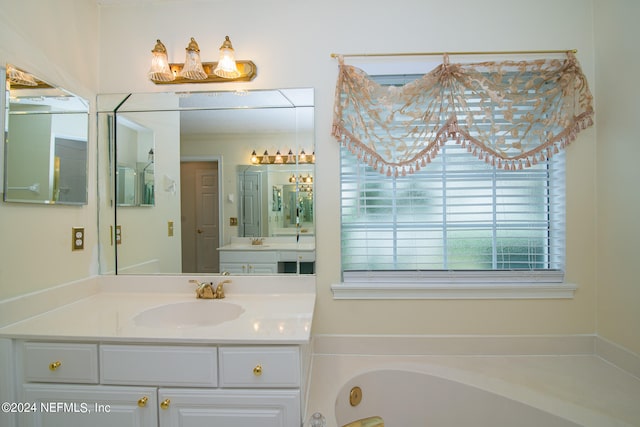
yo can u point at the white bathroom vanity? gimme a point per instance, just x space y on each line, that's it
154 355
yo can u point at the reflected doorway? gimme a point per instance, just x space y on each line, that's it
200 217
250 204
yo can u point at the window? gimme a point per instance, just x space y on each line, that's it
455 214
456 220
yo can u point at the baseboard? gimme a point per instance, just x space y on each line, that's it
459 345
617 355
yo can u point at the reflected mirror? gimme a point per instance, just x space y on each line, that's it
135 174
212 206
45 142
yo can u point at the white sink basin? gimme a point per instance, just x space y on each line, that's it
191 314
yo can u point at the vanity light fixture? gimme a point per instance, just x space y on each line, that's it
279 159
195 71
306 180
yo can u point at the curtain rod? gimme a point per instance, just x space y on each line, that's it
507 52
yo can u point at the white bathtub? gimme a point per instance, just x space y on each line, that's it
405 398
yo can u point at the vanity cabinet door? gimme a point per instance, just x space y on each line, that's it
58 405
249 262
253 268
237 408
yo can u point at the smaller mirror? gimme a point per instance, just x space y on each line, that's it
276 198
136 164
45 142
286 211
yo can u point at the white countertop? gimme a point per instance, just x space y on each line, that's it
273 313
305 244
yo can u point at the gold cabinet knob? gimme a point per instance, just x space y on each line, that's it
142 402
257 371
165 404
55 365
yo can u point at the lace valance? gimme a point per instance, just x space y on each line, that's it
511 114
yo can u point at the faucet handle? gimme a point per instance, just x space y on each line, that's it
220 289
197 282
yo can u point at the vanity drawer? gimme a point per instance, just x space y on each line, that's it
61 363
159 365
303 256
259 367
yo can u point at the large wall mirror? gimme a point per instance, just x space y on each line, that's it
45 142
207 182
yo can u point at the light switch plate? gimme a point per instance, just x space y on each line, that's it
77 238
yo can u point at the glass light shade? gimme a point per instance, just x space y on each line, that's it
192 69
227 67
160 71
278 159
290 158
265 157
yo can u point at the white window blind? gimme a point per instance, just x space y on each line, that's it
457 213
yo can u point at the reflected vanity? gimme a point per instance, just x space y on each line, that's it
189 199
45 142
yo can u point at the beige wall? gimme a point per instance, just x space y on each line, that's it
291 43
58 42
617 112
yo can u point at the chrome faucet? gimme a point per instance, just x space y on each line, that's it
205 290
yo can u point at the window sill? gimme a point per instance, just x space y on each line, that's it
404 290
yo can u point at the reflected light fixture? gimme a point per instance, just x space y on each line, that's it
160 71
279 159
265 158
195 71
19 77
227 67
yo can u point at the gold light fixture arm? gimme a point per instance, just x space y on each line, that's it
248 72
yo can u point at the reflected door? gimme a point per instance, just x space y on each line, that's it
200 217
71 172
250 209
207 233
